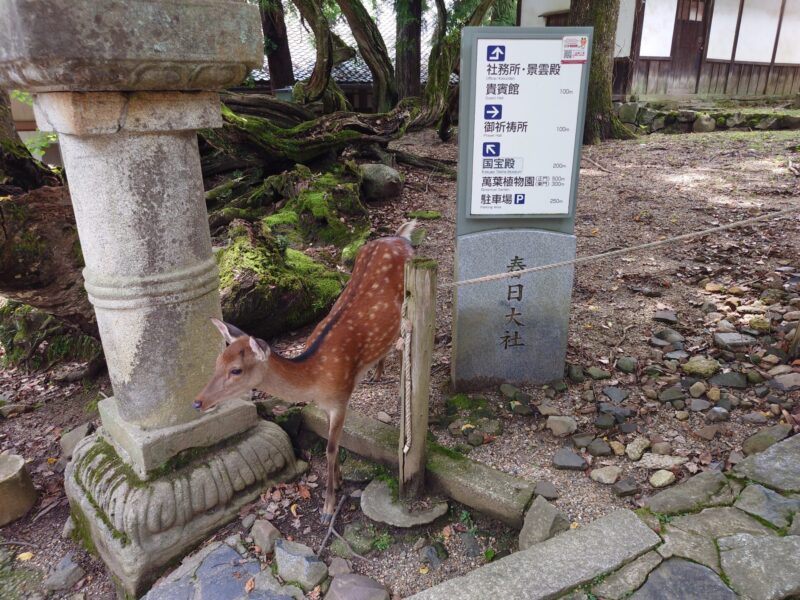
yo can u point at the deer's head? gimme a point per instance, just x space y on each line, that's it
238 369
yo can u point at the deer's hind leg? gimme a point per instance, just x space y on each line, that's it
335 424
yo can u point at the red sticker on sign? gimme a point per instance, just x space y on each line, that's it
574 49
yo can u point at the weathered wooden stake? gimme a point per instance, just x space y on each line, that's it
419 318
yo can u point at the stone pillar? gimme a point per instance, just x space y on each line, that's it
126 86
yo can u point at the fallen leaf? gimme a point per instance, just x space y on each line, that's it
51 460
573 525
250 585
304 492
424 570
447 531
293 509
25 556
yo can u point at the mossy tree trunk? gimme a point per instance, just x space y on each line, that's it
19 171
311 11
40 256
373 51
600 121
443 61
407 47
276 44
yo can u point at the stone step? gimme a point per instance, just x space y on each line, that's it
487 490
551 568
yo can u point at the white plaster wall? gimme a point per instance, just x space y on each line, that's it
531 9
657 28
627 12
757 31
723 29
788 42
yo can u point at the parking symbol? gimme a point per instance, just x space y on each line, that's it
519 198
491 148
492 112
496 53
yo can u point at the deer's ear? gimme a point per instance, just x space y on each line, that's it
259 348
228 331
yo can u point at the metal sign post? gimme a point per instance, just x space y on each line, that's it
522 104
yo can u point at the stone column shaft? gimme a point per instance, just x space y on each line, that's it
137 189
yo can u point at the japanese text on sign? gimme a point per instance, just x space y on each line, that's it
526 121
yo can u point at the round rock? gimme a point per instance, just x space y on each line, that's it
662 478
17 494
378 505
606 475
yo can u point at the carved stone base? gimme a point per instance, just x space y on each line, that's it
139 527
147 450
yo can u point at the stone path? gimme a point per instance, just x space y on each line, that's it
716 536
229 571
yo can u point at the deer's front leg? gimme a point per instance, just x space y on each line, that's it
335 423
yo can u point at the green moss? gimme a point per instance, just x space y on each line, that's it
326 285
81 532
425 214
350 251
33 339
436 449
462 404
390 480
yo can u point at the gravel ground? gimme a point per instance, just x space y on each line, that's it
642 190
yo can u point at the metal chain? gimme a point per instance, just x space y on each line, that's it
620 252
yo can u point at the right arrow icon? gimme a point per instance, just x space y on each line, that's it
492 112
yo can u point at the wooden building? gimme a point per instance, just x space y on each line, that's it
741 48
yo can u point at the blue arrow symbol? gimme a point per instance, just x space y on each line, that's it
496 53
491 148
492 111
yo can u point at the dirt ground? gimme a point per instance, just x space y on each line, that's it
630 193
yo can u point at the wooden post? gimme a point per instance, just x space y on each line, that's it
419 318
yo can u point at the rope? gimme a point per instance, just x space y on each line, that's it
621 251
405 332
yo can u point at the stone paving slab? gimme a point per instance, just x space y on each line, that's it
706 489
762 568
777 467
552 568
678 579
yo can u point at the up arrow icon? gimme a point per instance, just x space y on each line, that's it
496 53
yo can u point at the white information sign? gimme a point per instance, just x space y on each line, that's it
526 119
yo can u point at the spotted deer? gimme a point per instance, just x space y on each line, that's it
357 334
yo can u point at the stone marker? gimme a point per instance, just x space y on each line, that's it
486 350
515 330
17 494
550 569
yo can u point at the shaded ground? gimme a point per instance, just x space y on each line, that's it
644 190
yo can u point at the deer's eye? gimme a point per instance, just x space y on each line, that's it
236 371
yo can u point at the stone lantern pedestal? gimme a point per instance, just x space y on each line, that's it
126 85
